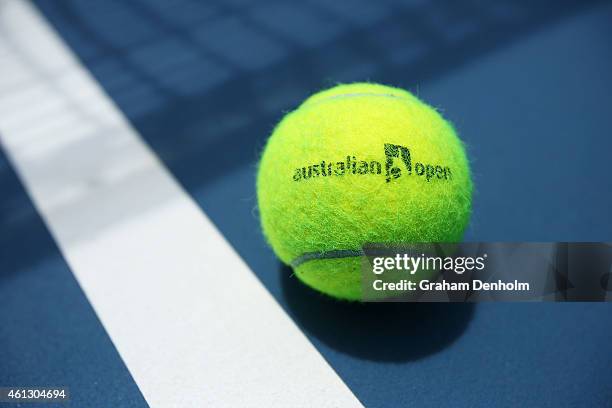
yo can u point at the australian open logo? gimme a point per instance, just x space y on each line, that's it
398 161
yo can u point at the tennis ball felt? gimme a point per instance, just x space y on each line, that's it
355 164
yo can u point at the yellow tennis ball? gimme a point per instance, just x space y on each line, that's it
356 164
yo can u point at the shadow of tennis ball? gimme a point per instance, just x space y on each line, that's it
375 331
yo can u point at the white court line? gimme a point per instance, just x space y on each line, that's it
191 321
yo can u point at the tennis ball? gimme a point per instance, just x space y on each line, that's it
356 164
